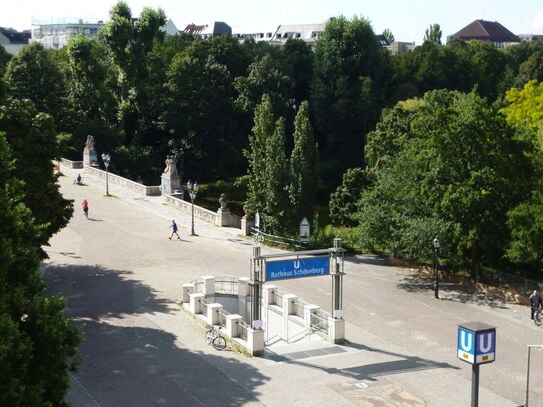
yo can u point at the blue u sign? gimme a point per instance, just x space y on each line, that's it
476 343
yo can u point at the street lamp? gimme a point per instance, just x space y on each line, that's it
436 245
106 159
192 189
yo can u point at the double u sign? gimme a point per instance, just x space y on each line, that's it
476 343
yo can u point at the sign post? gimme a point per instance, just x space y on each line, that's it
304 230
476 345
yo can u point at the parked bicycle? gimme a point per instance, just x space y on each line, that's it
214 337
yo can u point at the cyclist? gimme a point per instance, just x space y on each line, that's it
535 302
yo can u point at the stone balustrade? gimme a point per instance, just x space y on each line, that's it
124 182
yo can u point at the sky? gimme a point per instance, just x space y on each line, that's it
407 19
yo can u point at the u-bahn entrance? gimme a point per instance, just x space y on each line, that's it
310 263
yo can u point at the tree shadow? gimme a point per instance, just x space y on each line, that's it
127 359
371 259
450 291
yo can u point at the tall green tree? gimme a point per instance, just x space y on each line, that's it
32 138
35 75
348 91
92 107
303 167
200 114
276 207
37 342
264 125
433 34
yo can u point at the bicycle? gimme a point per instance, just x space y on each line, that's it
538 317
215 338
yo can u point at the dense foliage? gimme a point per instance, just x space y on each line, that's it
445 140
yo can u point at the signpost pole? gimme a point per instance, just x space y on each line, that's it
477 346
255 287
475 385
337 279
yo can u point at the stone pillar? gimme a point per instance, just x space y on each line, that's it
267 294
288 309
223 213
232 323
209 285
243 286
213 311
308 309
255 341
247 222
90 157
188 288
194 303
171 183
336 330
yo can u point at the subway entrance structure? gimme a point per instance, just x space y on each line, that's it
302 264
254 313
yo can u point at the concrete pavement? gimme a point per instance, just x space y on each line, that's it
122 278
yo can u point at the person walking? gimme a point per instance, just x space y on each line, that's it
535 302
85 205
174 230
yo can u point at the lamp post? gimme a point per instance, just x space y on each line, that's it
106 159
436 245
192 189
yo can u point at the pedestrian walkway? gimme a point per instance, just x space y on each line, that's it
122 277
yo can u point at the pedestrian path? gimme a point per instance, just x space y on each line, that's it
156 205
374 368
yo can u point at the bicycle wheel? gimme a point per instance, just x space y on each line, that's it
538 318
209 336
219 342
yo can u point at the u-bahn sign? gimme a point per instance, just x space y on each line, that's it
476 343
297 268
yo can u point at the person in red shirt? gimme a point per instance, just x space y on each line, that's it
85 205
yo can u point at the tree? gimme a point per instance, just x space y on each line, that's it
433 34
298 58
34 74
276 205
92 106
344 200
264 123
199 113
457 172
348 91
37 342
265 77
525 108
388 35
32 139
303 167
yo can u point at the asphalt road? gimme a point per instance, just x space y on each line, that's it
122 278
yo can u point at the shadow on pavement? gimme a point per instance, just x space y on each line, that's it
127 359
449 291
402 364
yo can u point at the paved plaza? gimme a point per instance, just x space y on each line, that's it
122 278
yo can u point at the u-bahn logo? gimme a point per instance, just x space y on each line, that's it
476 347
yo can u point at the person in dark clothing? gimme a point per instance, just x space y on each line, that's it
174 230
535 302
